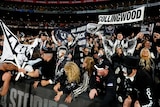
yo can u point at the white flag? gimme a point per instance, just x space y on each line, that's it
13 51
93 27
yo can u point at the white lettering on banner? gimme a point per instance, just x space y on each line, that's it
13 96
73 30
79 29
82 28
18 98
26 95
124 17
19 49
16 46
37 102
81 37
80 34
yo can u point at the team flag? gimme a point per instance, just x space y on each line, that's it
13 51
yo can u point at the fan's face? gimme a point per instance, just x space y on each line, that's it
119 36
119 50
147 44
145 53
61 53
69 38
102 72
43 38
141 35
100 53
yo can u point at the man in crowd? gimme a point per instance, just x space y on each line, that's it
102 82
43 70
134 87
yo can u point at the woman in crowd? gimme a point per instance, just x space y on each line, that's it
117 57
69 82
88 67
148 44
146 62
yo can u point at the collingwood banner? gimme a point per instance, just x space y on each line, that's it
13 51
124 17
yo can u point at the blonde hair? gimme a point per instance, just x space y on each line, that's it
149 53
72 71
145 61
90 64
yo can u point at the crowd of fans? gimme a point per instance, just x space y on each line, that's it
122 69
